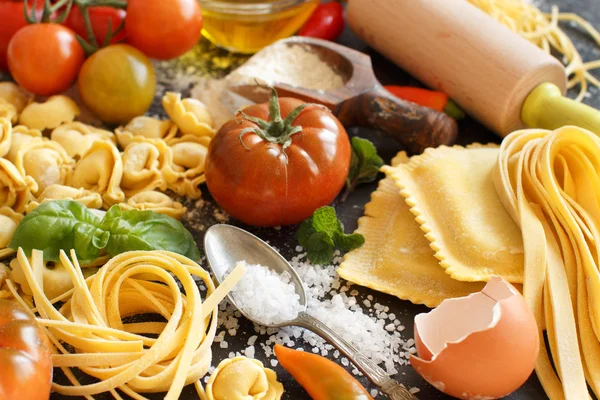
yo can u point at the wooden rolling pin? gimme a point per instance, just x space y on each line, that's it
501 79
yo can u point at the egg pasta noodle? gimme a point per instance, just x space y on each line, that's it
122 355
543 30
550 184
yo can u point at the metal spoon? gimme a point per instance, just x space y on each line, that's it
225 245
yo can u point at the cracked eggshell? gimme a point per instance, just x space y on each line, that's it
483 346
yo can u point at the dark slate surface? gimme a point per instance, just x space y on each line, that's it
352 209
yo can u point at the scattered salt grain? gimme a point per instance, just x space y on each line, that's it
274 363
267 296
374 393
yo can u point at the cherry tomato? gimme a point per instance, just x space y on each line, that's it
163 29
117 83
262 183
327 22
99 17
12 19
25 358
45 58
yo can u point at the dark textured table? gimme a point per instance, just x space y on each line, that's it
352 209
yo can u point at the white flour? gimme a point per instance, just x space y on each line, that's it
294 65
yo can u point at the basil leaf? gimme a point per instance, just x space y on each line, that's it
322 233
60 225
147 230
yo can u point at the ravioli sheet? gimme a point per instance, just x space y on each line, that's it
451 192
396 257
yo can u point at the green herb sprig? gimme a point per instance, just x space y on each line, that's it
65 225
322 233
364 165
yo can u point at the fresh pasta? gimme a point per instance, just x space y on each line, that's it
190 115
77 138
144 164
54 112
100 170
46 162
61 192
15 189
155 201
148 127
543 29
8 224
117 351
549 181
5 135
189 156
242 378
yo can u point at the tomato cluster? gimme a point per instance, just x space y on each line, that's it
46 58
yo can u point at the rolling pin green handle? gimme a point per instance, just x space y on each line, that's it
547 108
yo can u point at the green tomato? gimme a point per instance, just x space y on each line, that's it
117 83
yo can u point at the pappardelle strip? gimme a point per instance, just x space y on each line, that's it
113 350
550 184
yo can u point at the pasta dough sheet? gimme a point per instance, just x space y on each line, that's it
451 192
396 257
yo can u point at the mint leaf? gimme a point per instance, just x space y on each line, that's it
325 220
348 242
322 233
60 225
364 165
320 248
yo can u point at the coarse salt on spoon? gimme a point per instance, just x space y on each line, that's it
226 245
362 101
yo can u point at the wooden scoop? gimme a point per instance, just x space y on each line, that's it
362 101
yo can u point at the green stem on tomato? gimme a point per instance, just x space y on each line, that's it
277 130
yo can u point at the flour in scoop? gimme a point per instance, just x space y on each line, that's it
267 296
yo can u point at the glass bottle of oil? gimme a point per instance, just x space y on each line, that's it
246 26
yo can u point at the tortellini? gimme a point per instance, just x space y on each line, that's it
190 115
5 136
144 162
77 138
9 220
51 114
189 156
13 95
4 275
157 202
147 127
55 277
15 188
242 378
60 192
8 111
21 135
100 170
46 162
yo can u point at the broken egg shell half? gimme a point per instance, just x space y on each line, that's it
483 346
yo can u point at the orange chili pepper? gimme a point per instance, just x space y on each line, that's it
427 98
321 378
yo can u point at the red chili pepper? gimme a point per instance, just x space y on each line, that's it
326 22
427 98
321 378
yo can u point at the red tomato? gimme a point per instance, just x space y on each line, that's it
99 17
12 19
24 356
327 22
45 58
264 184
163 29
